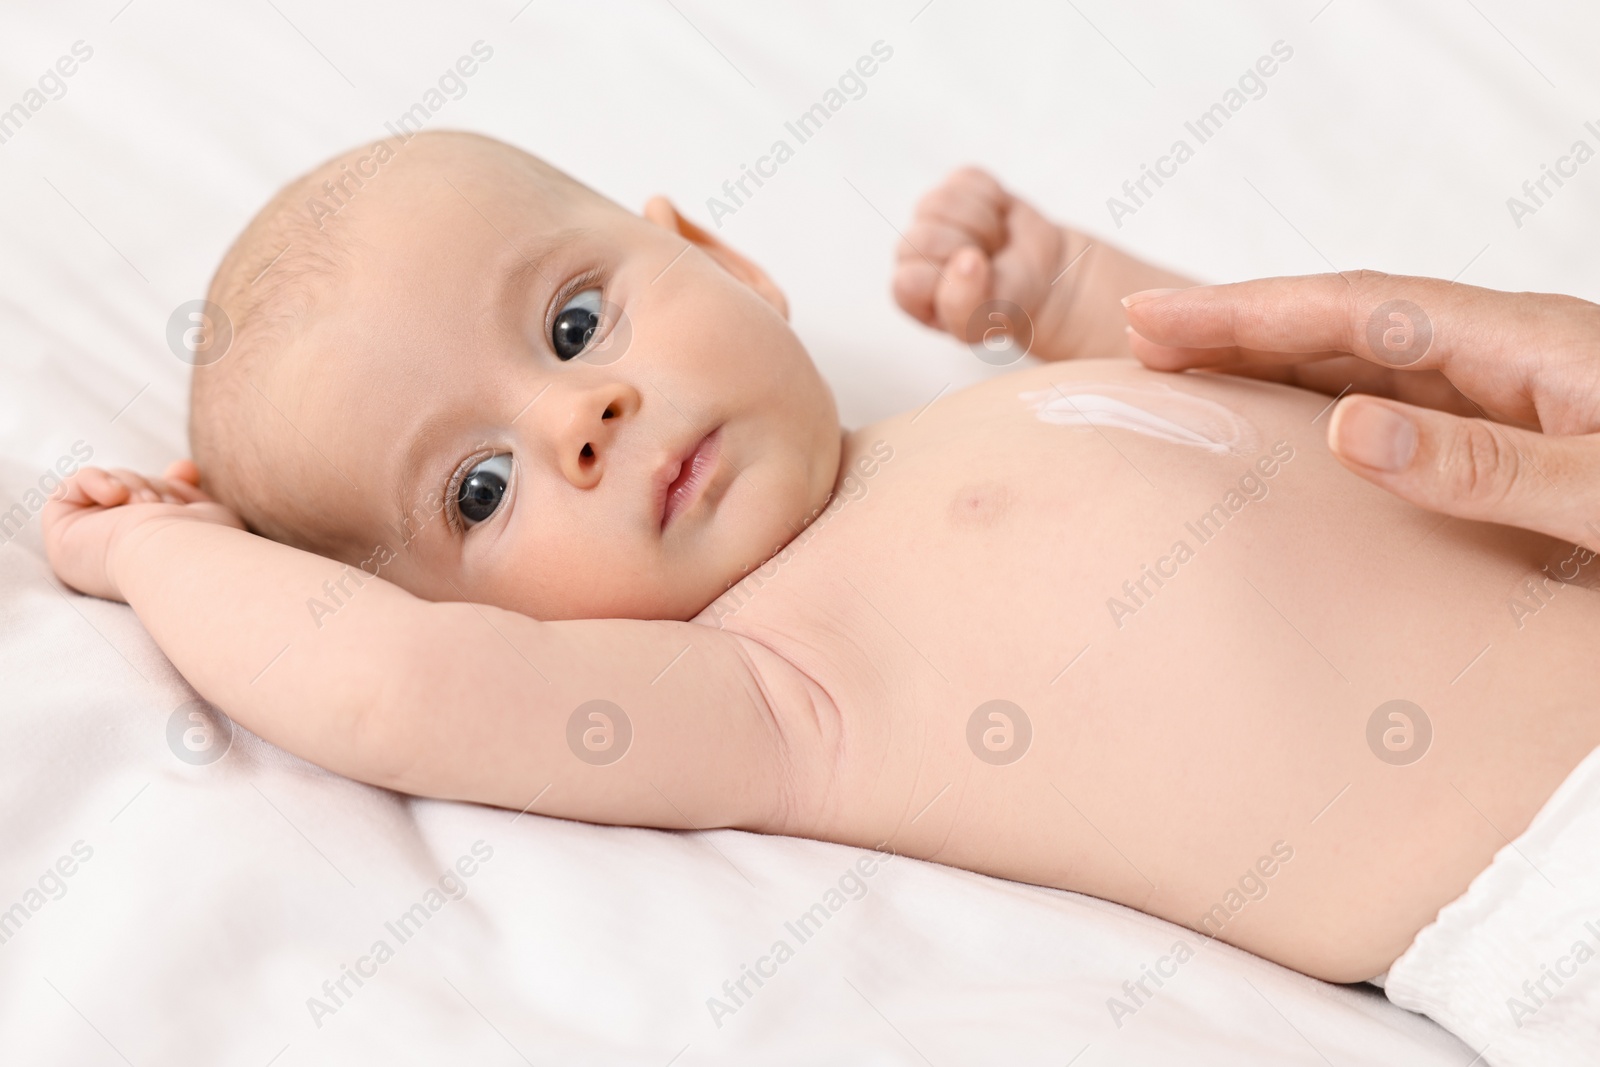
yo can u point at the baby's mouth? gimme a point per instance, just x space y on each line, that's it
688 481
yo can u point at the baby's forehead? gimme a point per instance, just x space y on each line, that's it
486 179
442 234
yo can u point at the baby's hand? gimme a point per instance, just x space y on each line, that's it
971 242
96 508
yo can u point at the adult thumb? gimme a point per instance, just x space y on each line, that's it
1473 468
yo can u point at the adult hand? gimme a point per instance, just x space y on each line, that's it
1491 400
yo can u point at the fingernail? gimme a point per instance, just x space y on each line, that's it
1374 435
1147 294
967 261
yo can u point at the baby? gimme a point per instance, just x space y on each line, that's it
513 496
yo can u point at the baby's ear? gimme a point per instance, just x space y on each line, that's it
660 211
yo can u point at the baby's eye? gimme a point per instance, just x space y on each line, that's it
483 488
575 324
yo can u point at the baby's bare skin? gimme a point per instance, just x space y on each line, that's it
1209 737
1222 717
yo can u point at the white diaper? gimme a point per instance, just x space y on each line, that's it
1512 966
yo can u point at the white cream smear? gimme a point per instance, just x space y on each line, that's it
1155 410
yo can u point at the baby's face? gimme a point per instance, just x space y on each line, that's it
452 379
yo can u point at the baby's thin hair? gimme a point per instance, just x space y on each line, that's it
267 284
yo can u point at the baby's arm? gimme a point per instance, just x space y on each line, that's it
971 242
449 700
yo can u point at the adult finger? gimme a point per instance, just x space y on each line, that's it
1473 468
1318 313
1492 345
1179 357
1341 374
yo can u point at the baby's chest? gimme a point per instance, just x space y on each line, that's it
938 569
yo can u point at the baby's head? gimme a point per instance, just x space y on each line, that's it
457 367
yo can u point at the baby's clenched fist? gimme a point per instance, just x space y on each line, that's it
971 242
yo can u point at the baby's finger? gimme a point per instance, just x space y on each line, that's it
964 286
182 492
976 181
72 493
174 492
100 487
140 489
1033 260
156 491
915 282
972 202
182 470
934 240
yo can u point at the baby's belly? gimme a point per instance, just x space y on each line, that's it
1242 690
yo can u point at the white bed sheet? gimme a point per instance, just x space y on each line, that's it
215 900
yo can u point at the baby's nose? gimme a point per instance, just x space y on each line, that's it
594 417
